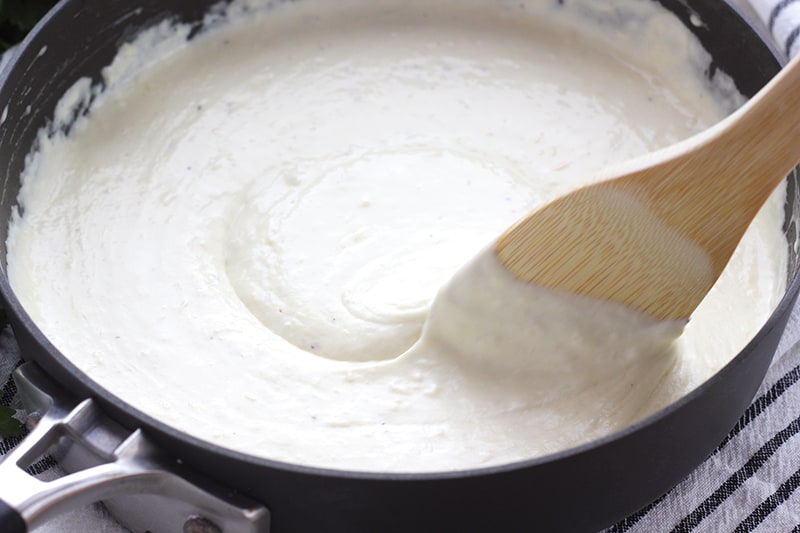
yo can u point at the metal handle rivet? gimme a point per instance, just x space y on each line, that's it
198 524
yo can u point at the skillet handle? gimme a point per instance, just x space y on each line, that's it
105 461
10 520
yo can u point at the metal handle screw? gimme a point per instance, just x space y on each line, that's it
198 524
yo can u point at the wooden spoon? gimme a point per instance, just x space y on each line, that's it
658 234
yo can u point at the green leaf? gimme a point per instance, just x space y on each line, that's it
24 14
9 426
17 17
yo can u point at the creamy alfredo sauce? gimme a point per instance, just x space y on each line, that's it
244 238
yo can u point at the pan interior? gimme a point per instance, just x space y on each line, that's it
375 371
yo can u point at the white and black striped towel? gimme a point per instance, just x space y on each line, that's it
748 484
782 19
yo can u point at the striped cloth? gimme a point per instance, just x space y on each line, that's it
749 483
782 19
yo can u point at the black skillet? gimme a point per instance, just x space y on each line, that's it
585 488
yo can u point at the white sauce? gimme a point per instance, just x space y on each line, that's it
244 238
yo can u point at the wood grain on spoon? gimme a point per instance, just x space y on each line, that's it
658 234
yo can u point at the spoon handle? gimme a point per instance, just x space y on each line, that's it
657 236
712 185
